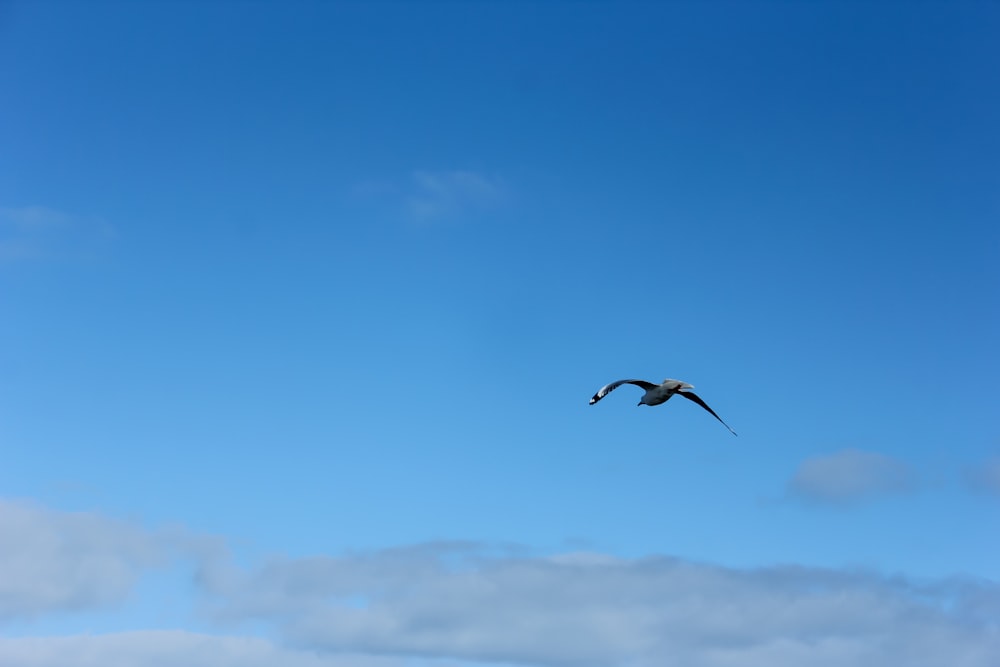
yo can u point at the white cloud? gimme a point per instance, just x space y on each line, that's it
849 476
985 477
463 604
438 194
53 561
36 232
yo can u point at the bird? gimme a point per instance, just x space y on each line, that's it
659 393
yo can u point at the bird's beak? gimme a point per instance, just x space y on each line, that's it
638 404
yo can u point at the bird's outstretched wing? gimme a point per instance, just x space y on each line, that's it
691 396
608 388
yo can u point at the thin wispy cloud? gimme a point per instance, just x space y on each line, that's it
849 476
429 196
439 194
38 232
985 477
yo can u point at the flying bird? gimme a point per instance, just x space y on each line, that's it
659 393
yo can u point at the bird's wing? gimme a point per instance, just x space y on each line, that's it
691 396
608 388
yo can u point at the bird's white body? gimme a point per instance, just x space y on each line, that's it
662 392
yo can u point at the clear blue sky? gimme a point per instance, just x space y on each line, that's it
293 284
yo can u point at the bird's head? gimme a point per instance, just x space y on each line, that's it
680 384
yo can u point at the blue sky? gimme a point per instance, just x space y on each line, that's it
302 305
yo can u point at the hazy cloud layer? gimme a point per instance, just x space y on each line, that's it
463 604
985 477
37 232
849 476
167 648
53 561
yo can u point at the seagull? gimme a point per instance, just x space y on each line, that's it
659 393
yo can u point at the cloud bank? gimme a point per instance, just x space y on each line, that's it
467 603
591 609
